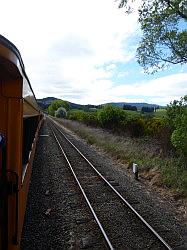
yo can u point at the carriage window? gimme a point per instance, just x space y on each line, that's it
30 124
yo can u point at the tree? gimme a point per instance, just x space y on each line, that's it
129 107
177 118
111 116
57 104
61 112
147 109
164 38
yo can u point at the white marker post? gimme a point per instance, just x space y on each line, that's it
135 170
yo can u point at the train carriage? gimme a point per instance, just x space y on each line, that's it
20 120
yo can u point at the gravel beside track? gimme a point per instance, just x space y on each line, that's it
56 217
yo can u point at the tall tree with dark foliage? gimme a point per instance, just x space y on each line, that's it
164 27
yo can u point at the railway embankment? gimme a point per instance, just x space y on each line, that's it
57 217
160 173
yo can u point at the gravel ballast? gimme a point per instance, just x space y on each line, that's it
56 214
56 217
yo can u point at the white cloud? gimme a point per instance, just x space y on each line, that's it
111 67
122 74
71 50
161 90
67 40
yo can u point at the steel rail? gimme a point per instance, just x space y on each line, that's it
84 194
118 194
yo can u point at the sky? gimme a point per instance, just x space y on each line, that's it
84 51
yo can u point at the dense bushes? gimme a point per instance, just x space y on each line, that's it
147 109
119 120
164 138
129 107
76 115
135 126
89 117
169 130
61 112
123 122
177 118
111 117
57 104
154 127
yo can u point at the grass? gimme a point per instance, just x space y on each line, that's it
160 113
175 176
146 152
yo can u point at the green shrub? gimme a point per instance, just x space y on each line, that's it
175 175
60 113
76 115
179 140
159 128
177 118
111 117
57 104
154 126
135 127
88 117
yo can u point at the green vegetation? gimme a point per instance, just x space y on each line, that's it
168 126
88 117
61 112
160 113
177 118
164 40
111 117
129 107
129 122
57 104
175 176
156 140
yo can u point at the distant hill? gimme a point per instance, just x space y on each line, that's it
80 106
139 105
45 102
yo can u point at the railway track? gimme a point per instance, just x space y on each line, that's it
117 220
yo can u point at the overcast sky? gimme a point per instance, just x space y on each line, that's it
83 51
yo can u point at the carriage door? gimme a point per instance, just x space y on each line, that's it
3 196
3 176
